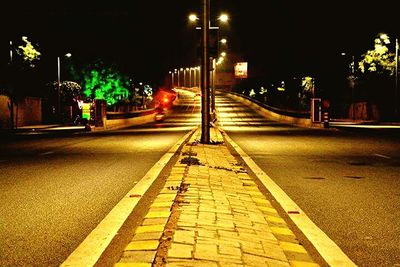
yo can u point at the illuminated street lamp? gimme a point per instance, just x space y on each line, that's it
193 17
59 84
223 18
223 41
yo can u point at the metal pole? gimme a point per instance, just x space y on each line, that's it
58 89
172 82
205 75
11 52
352 89
214 69
178 79
396 93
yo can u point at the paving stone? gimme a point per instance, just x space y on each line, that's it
229 250
147 236
181 251
185 237
286 246
155 221
142 245
206 252
158 214
138 256
149 228
303 264
282 231
132 264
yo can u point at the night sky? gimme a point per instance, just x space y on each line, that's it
149 38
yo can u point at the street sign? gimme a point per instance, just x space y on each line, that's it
241 70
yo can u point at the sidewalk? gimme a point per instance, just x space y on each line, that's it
211 213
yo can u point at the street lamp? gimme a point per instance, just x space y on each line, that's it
59 84
206 60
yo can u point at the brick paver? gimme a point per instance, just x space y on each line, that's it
211 213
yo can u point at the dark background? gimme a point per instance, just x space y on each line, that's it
149 38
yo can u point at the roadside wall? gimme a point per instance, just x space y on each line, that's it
27 111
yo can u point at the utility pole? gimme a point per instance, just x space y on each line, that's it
214 72
205 74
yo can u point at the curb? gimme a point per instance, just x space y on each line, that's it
93 246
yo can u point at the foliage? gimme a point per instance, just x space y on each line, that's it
29 53
379 60
101 81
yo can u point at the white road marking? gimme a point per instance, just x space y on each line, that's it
46 153
382 156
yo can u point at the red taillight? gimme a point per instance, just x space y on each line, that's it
166 100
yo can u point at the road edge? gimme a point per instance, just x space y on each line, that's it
327 249
93 246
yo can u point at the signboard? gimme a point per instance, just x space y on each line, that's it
241 70
86 110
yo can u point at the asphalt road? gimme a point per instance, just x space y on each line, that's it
56 188
347 181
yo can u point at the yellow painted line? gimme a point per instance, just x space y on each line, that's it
287 246
158 214
328 249
132 264
302 264
90 250
150 228
143 245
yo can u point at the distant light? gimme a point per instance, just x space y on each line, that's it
187 68
223 18
223 41
193 17
223 54
169 72
343 54
181 69
68 55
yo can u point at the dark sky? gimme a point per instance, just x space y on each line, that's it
149 38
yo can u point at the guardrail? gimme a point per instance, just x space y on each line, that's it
286 116
286 112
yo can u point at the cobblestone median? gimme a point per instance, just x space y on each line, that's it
211 213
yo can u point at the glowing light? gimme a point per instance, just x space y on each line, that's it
224 18
193 17
223 54
223 41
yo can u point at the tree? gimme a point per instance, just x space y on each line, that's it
100 81
379 60
377 69
16 72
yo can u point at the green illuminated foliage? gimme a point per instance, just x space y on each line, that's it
104 82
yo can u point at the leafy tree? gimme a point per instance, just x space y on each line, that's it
28 52
101 81
377 67
379 60
17 72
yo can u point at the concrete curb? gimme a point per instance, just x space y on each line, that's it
91 249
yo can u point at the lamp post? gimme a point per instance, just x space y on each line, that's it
172 78
59 84
396 99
